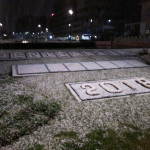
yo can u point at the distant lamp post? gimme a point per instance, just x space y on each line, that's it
39 26
52 14
46 29
0 28
109 20
91 27
70 12
70 24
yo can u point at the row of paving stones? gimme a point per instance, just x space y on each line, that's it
39 55
32 69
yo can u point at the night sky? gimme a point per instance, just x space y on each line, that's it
11 10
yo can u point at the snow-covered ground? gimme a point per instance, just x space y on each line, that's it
80 117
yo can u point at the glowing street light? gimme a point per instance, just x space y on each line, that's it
69 25
39 26
52 14
0 28
70 12
91 20
46 29
109 21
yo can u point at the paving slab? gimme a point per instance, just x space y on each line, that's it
136 63
103 89
33 55
62 54
74 66
18 55
75 54
56 67
25 70
126 53
122 64
32 69
91 65
48 55
107 65
88 53
99 53
112 53
4 56
15 73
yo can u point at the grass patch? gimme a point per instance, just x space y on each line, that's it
109 140
46 108
70 134
25 99
36 147
4 79
27 120
23 123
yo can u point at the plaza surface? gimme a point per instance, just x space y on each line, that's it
76 119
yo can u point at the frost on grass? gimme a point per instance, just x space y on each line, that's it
80 119
20 114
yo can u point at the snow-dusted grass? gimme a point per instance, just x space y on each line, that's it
78 117
76 120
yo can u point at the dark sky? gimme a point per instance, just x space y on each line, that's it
11 10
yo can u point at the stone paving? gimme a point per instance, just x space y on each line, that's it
60 54
34 69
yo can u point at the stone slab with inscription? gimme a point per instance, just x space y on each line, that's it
31 55
4 56
62 54
109 88
75 54
18 55
48 55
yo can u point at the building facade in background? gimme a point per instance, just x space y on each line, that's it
89 17
96 18
145 17
24 15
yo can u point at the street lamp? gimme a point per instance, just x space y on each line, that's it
0 28
46 29
109 21
70 13
39 26
91 27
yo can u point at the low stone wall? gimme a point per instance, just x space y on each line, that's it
47 45
114 44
